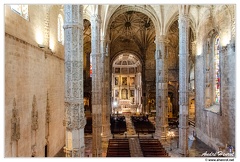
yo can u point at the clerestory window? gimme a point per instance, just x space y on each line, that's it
60 29
21 10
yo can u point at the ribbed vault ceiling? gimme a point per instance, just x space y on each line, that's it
133 26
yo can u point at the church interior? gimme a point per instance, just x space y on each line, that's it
115 80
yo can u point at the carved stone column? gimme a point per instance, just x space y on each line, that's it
106 108
183 23
161 88
75 117
96 86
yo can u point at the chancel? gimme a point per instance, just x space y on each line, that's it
119 80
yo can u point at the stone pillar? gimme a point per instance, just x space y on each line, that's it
183 23
106 107
161 88
96 86
75 117
231 88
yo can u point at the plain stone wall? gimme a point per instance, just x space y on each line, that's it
31 71
216 129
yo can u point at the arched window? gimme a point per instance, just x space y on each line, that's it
217 70
22 10
60 29
213 73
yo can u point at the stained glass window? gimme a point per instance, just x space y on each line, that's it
90 65
217 71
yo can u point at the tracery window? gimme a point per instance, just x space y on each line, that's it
22 10
60 29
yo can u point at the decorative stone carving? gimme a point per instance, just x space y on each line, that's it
47 111
74 117
34 114
183 77
15 123
78 120
74 111
161 86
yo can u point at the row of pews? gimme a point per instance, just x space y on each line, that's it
152 148
118 124
118 148
142 124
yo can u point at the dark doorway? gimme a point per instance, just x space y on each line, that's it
46 150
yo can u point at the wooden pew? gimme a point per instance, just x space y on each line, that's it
152 148
118 148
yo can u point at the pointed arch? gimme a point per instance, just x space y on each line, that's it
174 17
145 9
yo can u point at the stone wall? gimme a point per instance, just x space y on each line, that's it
217 129
32 71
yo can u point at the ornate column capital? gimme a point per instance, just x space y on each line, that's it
183 20
183 14
161 39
